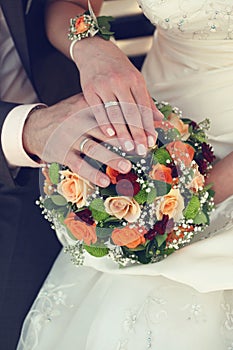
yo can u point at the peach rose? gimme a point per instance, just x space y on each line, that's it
123 207
161 172
197 181
129 237
172 204
179 125
74 188
81 26
80 230
181 151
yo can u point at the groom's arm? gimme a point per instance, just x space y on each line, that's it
12 153
5 173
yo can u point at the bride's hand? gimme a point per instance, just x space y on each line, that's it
108 76
65 133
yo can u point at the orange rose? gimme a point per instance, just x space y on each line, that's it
81 26
163 124
179 125
198 180
74 188
173 236
112 174
123 207
161 172
80 230
179 150
176 235
129 237
172 204
48 185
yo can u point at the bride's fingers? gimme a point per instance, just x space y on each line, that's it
101 116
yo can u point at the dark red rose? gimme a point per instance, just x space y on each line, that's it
207 152
202 164
160 227
125 187
85 215
131 176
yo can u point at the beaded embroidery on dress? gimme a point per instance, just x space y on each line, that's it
185 301
197 19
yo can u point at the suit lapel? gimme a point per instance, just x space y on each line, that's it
14 14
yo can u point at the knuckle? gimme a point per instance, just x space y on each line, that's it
90 148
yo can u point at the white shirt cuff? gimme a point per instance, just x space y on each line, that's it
11 138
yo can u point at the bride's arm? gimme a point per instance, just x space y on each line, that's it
106 74
221 176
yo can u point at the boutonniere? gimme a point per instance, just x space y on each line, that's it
28 6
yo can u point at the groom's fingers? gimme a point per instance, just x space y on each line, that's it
98 152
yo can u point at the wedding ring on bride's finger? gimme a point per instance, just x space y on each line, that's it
110 104
82 144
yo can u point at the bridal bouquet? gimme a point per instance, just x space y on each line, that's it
144 215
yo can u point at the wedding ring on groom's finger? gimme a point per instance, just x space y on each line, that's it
110 104
82 144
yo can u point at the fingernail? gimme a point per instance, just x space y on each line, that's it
110 131
141 149
124 166
129 146
151 141
104 181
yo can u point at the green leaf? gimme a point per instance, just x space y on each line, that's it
112 221
173 134
166 110
162 188
161 239
109 191
48 204
54 173
103 231
211 192
98 210
104 26
161 156
96 251
146 197
192 208
58 200
200 218
199 136
141 196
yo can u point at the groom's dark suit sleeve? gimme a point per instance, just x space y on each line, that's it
28 246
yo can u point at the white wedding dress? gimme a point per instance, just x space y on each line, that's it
184 302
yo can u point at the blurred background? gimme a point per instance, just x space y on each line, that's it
133 31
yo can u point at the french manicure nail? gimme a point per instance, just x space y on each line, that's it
124 166
141 149
110 131
151 141
129 146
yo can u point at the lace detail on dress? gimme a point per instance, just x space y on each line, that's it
227 326
50 304
156 314
197 19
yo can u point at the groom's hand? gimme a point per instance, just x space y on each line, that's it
65 133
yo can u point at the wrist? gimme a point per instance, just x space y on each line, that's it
29 135
87 25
